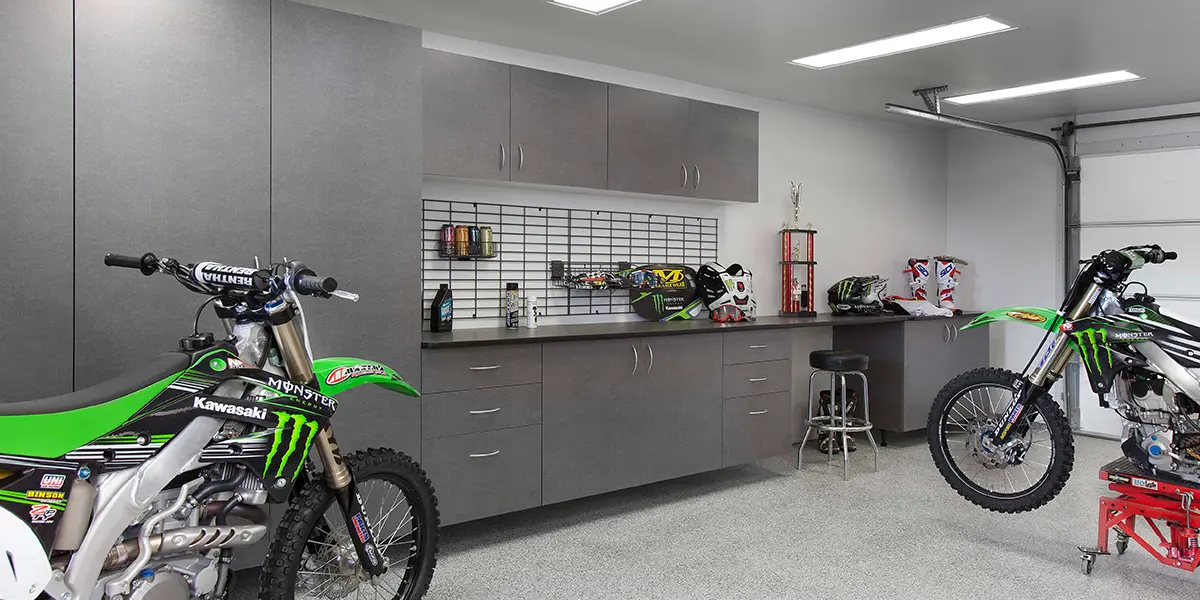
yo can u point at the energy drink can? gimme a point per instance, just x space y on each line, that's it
462 241
446 241
473 238
485 242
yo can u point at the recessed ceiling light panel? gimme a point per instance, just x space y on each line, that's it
1048 87
594 7
934 36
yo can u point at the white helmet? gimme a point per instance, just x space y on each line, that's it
728 293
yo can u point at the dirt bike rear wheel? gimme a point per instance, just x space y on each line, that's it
311 555
964 415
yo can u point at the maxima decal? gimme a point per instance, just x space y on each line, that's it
341 374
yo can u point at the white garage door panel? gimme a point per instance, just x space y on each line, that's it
1155 187
1147 186
1180 277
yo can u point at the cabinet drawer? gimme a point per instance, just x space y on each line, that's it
757 346
473 411
484 474
472 368
752 379
757 427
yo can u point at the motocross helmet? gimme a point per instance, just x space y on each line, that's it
728 293
857 296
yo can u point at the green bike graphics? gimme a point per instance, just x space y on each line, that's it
299 433
1094 340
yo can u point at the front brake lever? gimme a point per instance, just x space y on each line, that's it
346 295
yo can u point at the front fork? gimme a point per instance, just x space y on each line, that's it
337 472
1048 371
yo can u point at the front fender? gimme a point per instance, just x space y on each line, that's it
1043 318
336 375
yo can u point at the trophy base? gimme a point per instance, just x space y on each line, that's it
803 313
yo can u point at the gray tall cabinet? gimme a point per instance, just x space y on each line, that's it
35 198
206 130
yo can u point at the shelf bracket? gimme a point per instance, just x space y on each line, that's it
932 97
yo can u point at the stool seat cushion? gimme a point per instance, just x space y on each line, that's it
838 360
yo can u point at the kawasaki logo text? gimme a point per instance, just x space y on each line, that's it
229 409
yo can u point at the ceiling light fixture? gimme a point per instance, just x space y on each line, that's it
1048 87
934 36
594 7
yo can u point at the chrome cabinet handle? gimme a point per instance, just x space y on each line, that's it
503 156
954 339
520 156
487 368
651 367
758 412
485 455
683 167
757 379
697 184
758 346
635 360
946 334
485 412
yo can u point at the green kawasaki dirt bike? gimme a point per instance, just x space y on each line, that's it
141 487
1003 443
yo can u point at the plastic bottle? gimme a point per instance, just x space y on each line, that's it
531 312
441 310
512 306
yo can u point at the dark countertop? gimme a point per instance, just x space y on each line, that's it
499 336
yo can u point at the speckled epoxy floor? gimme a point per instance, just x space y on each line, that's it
766 531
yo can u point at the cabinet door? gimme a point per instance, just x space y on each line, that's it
559 129
971 349
647 136
679 407
723 152
466 110
592 419
928 356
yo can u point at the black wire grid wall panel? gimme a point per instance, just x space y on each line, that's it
528 238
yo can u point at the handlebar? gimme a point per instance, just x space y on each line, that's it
214 278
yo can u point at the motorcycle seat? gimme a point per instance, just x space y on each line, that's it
157 369
52 427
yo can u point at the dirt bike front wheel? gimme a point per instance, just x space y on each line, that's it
1019 476
312 555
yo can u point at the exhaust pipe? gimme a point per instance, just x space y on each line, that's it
189 539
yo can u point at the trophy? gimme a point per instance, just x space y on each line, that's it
797 189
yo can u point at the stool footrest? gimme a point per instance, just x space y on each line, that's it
850 424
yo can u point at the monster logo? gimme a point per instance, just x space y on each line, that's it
845 286
659 302
300 432
1090 336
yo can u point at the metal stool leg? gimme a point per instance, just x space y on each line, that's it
832 388
845 435
867 418
808 421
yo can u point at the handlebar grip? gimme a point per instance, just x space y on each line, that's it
1170 255
312 285
147 263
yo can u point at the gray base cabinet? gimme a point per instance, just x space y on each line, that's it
910 362
757 427
479 475
622 413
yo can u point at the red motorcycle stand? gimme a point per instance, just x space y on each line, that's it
1159 503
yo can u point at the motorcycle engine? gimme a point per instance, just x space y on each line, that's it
1163 422
162 585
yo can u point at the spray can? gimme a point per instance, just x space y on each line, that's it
531 312
512 306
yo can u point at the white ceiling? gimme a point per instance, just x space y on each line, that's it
745 46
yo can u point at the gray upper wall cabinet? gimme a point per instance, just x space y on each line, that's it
647 136
35 198
466 117
724 152
491 121
172 157
345 186
559 129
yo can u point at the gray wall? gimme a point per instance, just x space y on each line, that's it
206 130
35 198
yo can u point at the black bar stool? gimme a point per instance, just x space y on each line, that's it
839 363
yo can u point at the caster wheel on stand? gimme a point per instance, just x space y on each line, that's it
1089 563
1122 543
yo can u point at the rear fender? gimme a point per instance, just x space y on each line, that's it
1043 318
25 570
336 375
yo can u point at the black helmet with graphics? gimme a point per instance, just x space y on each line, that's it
857 296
